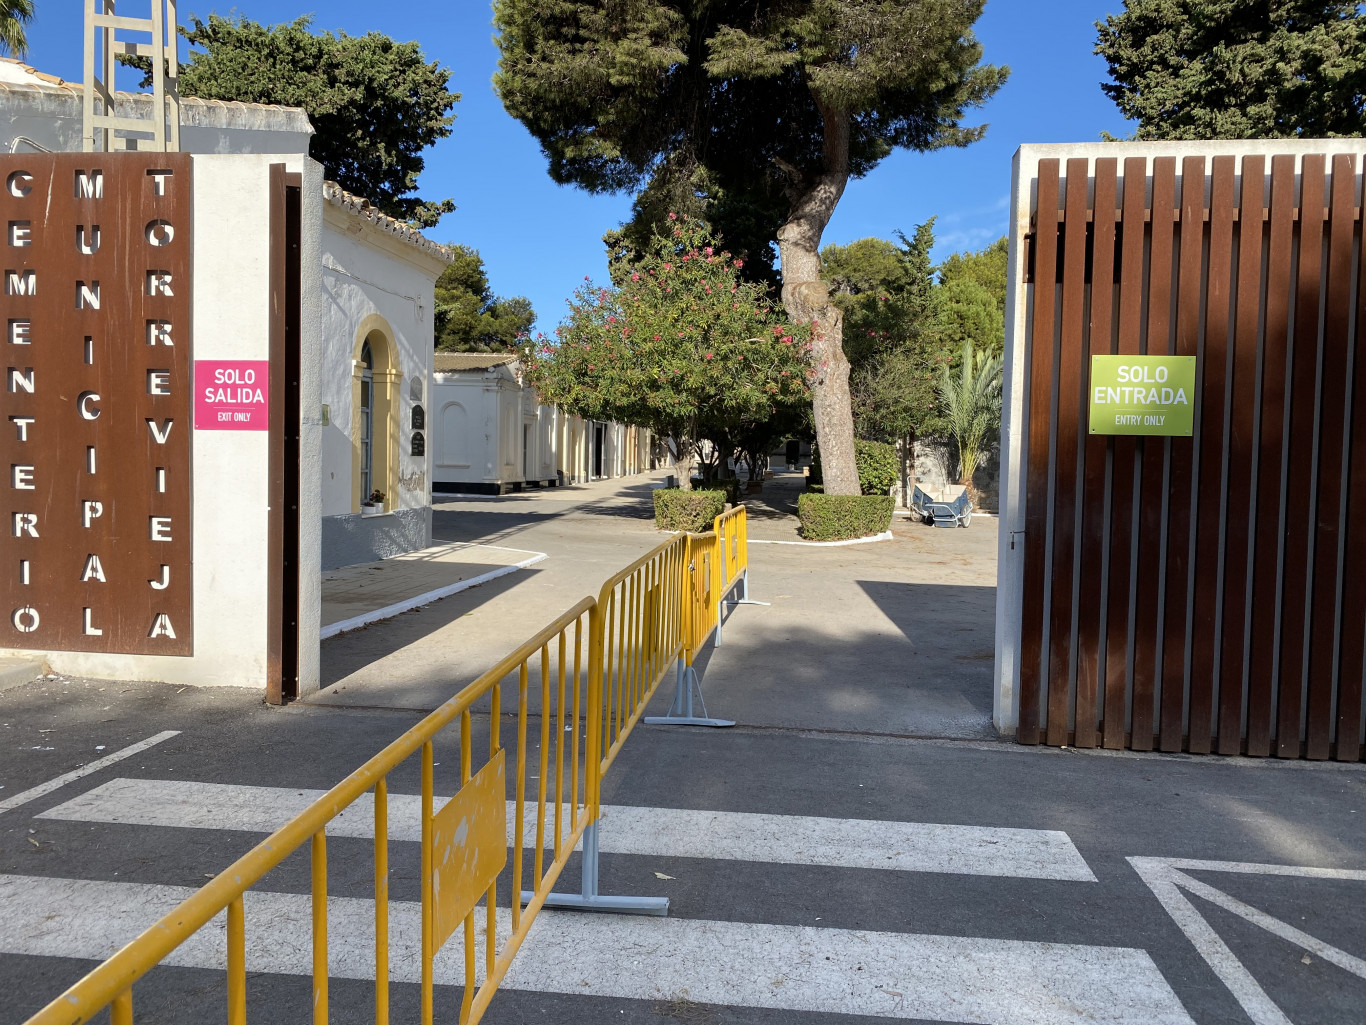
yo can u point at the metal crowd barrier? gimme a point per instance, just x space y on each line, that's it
598 665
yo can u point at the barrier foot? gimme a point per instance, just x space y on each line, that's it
601 902
681 711
744 598
589 899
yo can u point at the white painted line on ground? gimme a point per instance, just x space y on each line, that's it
408 604
658 832
796 968
1164 876
886 535
33 793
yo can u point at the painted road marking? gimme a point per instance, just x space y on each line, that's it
666 832
1166 878
33 793
798 968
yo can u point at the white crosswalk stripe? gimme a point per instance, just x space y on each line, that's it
774 839
796 968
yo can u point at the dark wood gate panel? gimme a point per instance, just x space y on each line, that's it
1205 593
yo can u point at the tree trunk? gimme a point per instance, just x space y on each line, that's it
807 301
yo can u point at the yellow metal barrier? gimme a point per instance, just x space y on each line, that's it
464 847
598 665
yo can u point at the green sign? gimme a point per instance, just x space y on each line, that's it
1143 395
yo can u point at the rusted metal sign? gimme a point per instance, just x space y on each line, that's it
95 441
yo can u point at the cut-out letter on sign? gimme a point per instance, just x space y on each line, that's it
93 570
161 627
20 233
164 582
160 233
159 282
19 332
22 424
89 628
21 282
90 184
91 510
25 523
158 382
159 332
25 619
21 477
85 404
21 380
159 176
20 184
87 296
87 239
159 527
163 432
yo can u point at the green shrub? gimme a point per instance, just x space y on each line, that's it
875 462
731 485
877 469
841 517
687 510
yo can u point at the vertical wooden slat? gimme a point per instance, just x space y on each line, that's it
1332 416
1125 452
1147 625
1241 454
1100 343
1300 459
1065 454
1261 667
1037 443
1204 620
1182 458
1352 659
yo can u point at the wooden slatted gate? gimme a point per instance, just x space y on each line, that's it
1205 593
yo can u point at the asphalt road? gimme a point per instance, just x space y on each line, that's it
807 852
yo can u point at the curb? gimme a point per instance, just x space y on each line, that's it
407 605
886 535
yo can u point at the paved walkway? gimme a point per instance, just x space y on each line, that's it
891 637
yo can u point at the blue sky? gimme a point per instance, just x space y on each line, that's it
539 239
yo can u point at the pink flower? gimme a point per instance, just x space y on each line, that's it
680 334
707 250
611 320
635 277
739 263
709 355
656 337
590 366
668 266
673 216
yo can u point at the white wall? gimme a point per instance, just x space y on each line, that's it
365 273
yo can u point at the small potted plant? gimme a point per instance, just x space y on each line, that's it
374 505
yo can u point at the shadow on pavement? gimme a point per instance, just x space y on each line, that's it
350 652
934 680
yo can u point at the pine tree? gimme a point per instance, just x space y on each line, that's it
1237 69
761 101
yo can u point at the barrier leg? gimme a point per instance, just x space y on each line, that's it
681 711
589 899
744 598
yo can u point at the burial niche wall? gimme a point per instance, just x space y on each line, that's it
95 432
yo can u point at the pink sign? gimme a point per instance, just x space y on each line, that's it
231 395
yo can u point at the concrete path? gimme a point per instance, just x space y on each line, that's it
892 637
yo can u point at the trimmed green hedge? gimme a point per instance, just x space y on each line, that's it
841 517
875 462
676 509
732 486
